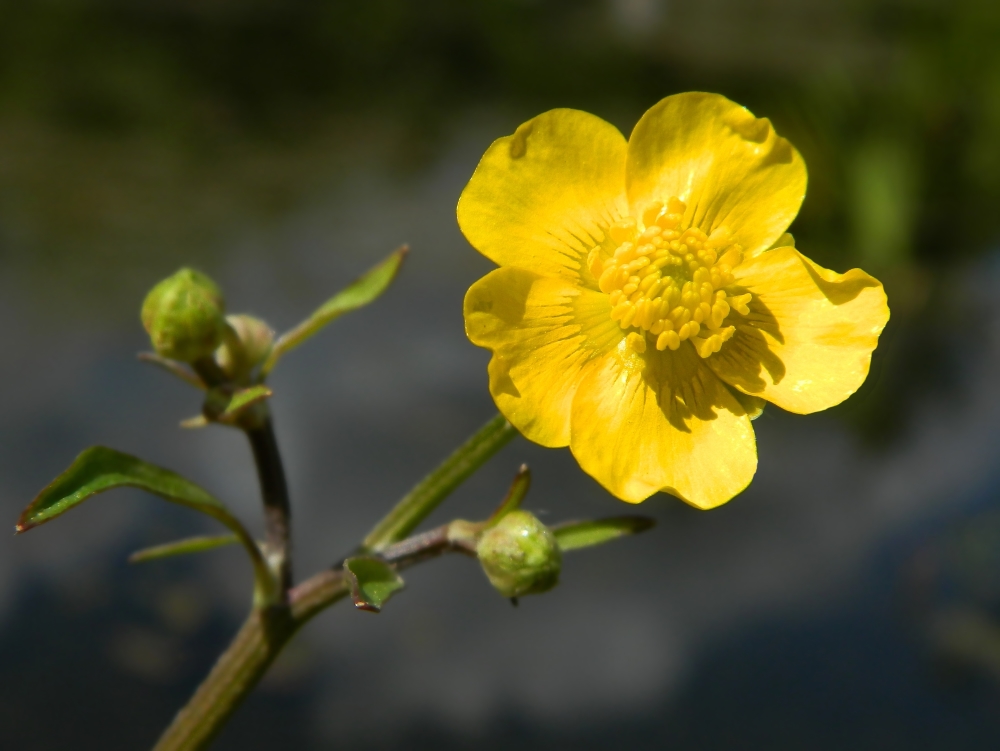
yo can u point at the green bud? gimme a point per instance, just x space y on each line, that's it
248 342
520 555
183 315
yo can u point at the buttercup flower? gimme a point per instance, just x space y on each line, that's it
648 300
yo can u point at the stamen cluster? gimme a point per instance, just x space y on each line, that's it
670 284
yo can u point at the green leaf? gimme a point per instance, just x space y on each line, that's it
99 469
372 581
515 495
359 293
227 407
573 535
427 494
182 547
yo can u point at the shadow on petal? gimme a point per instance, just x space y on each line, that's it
807 341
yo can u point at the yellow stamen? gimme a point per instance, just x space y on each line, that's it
670 283
636 342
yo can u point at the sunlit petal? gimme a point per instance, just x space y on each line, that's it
543 332
807 343
729 167
662 422
543 197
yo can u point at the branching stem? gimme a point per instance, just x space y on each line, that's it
267 630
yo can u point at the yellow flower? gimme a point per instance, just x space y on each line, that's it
647 300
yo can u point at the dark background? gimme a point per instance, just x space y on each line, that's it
848 599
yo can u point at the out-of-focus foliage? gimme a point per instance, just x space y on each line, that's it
123 122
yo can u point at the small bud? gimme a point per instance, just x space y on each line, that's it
247 344
520 555
183 315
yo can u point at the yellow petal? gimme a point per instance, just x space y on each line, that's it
808 340
544 332
668 425
542 198
730 168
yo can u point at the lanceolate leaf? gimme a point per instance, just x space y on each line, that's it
99 469
573 535
182 547
373 582
361 292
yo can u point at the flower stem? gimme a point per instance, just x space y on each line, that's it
267 630
246 660
274 491
416 505
262 636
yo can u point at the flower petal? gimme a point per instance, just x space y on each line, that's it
730 168
544 332
542 198
808 340
662 422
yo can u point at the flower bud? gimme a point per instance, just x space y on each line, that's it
183 315
247 344
520 555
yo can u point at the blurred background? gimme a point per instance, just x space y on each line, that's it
850 598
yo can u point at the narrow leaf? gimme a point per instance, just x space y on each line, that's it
182 547
227 407
428 494
372 581
573 535
515 495
359 293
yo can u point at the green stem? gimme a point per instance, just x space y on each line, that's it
429 492
267 630
274 493
262 637
246 660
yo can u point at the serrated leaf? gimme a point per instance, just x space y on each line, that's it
182 547
359 293
372 582
227 407
574 535
515 495
99 469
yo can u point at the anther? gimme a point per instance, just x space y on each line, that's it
668 281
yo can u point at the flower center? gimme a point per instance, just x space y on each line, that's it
670 285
